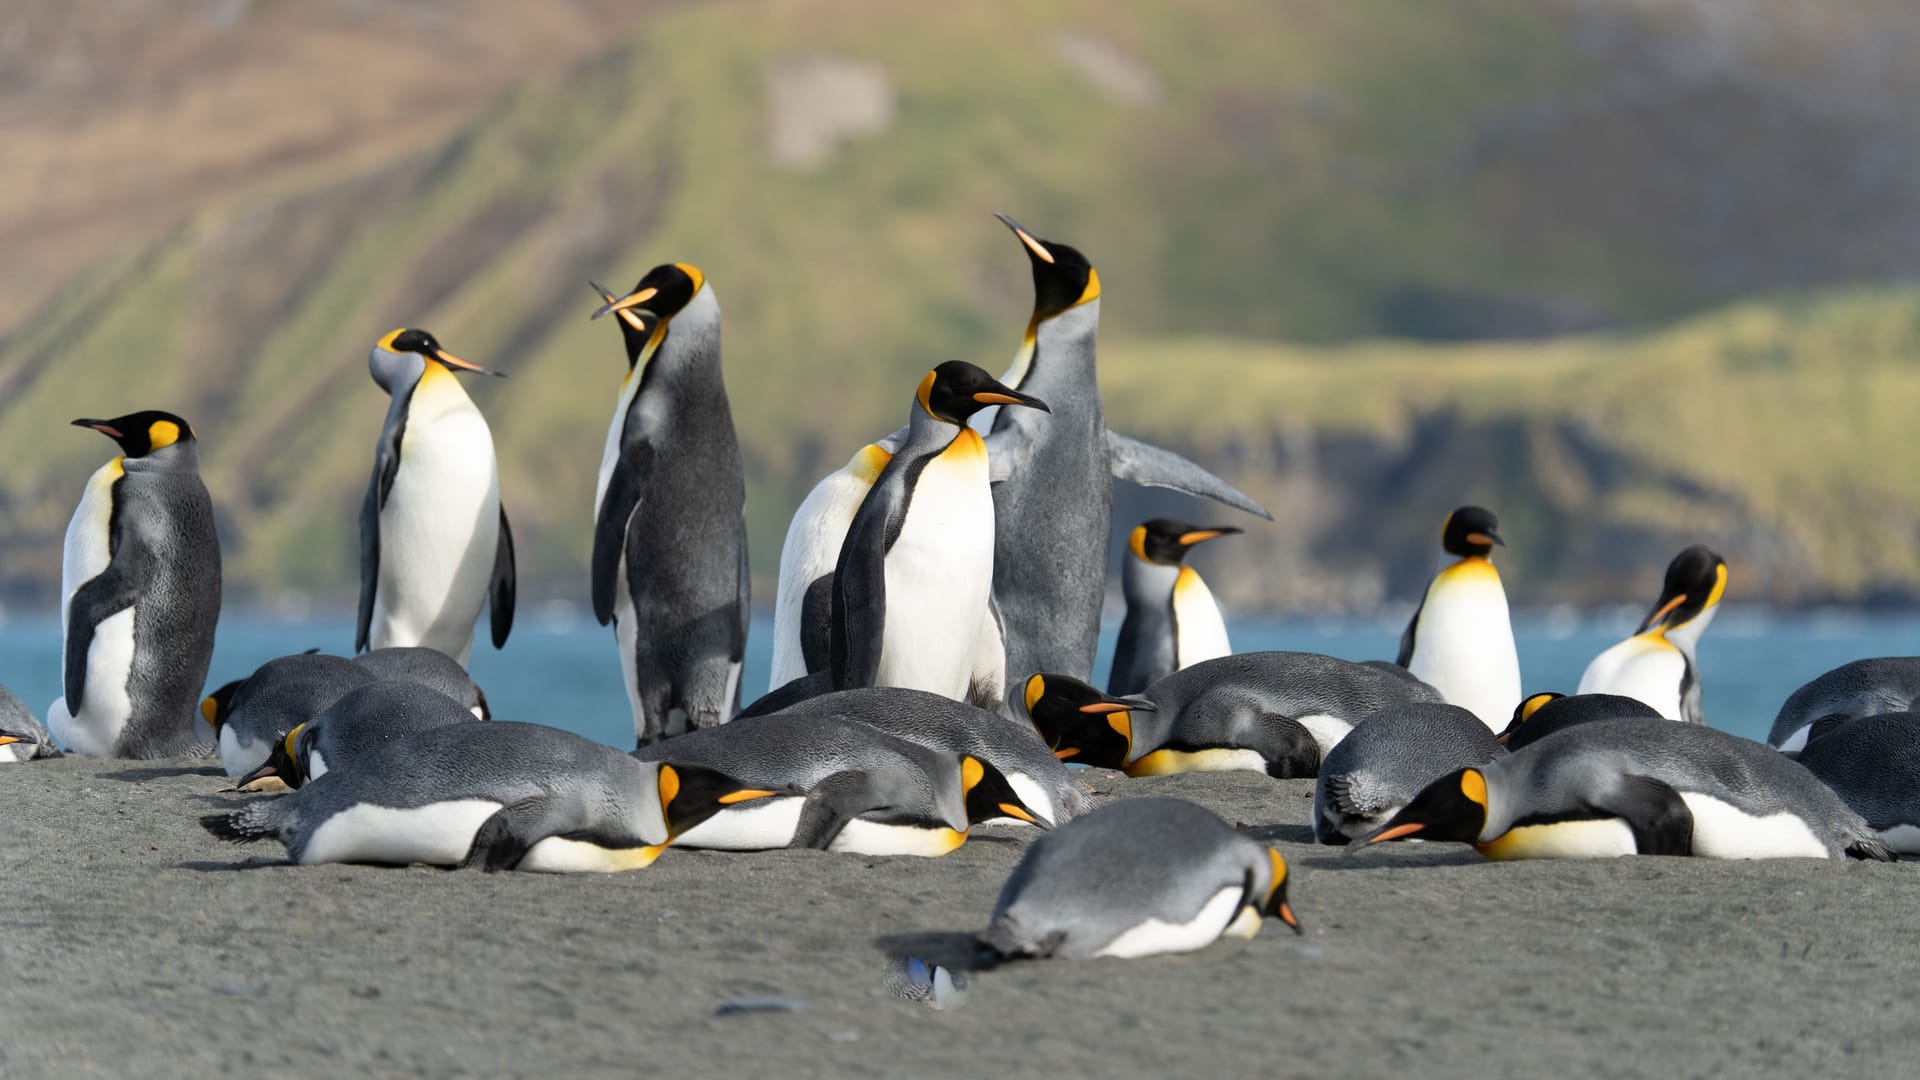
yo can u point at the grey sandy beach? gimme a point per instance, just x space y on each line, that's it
132 943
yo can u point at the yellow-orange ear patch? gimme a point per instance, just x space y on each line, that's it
1036 688
971 772
162 434
1474 786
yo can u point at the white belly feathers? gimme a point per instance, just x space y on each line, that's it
1645 667
108 705
939 574
1463 644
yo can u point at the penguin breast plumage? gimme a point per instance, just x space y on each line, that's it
939 573
1463 642
1645 667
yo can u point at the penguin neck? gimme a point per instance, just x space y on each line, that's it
689 354
1687 635
183 456
1148 584
927 434
1061 354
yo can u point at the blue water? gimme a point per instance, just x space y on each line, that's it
563 671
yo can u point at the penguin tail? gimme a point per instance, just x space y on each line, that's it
255 821
1872 847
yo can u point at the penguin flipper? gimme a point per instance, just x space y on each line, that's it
505 838
1133 460
859 612
369 561
1661 822
500 591
816 623
830 804
624 488
1405 659
113 591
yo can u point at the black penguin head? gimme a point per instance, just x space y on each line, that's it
639 328
34 747
1524 711
143 433
988 795
391 352
286 764
1080 723
1696 579
1453 808
690 794
1062 277
1276 904
662 293
1470 530
1165 542
217 706
956 390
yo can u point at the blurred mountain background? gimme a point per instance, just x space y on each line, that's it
1634 273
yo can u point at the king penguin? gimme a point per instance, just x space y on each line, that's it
1055 503
141 581
1460 640
1139 877
1390 757
497 796
251 716
914 583
434 541
1637 786
1172 621
1883 684
670 531
358 724
1656 665
1873 764
1540 715
21 736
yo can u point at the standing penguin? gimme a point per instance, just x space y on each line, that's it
434 541
141 582
1656 664
914 583
670 529
1460 640
1172 621
1055 505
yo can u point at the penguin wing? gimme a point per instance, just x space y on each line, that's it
624 489
500 591
1131 459
112 592
1406 638
386 466
859 612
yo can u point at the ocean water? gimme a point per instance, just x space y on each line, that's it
562 670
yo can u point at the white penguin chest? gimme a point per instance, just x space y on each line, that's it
610 454
107 704
939 573
1153 936
1643 667
1463 644
1202 633
89 535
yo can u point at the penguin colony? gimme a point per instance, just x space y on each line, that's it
936 619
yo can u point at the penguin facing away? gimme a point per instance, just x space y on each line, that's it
141 585
499 796
1656 665
1388 759
670 534
1886 684
1055 503
1540 715
1460 639
1137 877
1637 786
1873 764
913 587
434 539
1172 621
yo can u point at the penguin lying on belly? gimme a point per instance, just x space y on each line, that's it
21 736
1272 712
1637 786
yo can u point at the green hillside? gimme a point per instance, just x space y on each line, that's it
1326 172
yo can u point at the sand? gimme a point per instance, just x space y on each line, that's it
132 943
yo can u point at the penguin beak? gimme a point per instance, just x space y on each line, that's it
102 427
1660 612
1201 536
631 300
453 361
1488 537
1006 395
9 740
1121 704
1385 833
606 294
1037 249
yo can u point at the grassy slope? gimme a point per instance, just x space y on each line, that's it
1293 182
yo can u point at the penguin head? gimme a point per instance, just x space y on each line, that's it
1165 542
662 293
217 706
1453 808
286 764
1471 530
402 356
1524 711
638 326
144 433
956 390
1696 579
988 795
28 743
1276 903
690 794
1081 724
1062 277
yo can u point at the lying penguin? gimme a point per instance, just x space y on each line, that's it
940 723
362 721
1272 712
1873 764
1637 786
1886 684
21 736
499 796
1540 715
841 787
1388 759
1137 877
